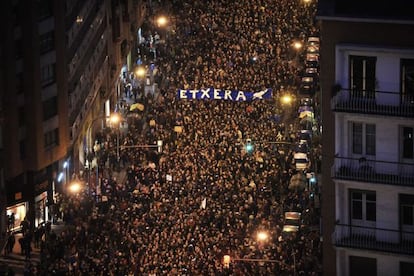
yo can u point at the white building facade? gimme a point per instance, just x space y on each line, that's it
367 82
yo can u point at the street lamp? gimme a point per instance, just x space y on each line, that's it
162 21
115 119
140 72
297 45
286 99
75 186
262 236
66 168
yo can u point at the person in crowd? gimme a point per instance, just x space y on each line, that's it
10 242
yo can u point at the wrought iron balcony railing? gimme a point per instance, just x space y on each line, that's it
393 173
369 238
373 102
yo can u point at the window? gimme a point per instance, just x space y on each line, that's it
47 41
49 108
362 266
357 138
407 80
407 210
370 139
363 138
363 205
362 76
45 9
47 74
406 269
408 142
51 138
356 206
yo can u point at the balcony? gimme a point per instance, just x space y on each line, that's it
372 171
373 102
377 239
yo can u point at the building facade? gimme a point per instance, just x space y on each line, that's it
59 73
367 84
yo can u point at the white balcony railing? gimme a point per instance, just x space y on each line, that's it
373 102
386 240
373 171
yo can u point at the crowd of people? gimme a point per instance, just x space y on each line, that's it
180 210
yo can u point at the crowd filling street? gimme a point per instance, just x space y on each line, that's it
202 195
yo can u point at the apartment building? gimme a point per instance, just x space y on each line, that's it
367 87
60 62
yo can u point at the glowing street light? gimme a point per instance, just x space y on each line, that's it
75 187
115 118
161 21
262 236
297 45
286 99
140 72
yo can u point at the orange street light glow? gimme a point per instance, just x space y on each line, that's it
297 45
75 187
114 118
286 99
262 236
162 21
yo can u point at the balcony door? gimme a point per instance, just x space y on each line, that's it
362 76
363 212
407 216
362 144
407 81
406 151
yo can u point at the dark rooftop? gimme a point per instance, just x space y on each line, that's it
378 9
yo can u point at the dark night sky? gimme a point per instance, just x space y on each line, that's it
398 9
